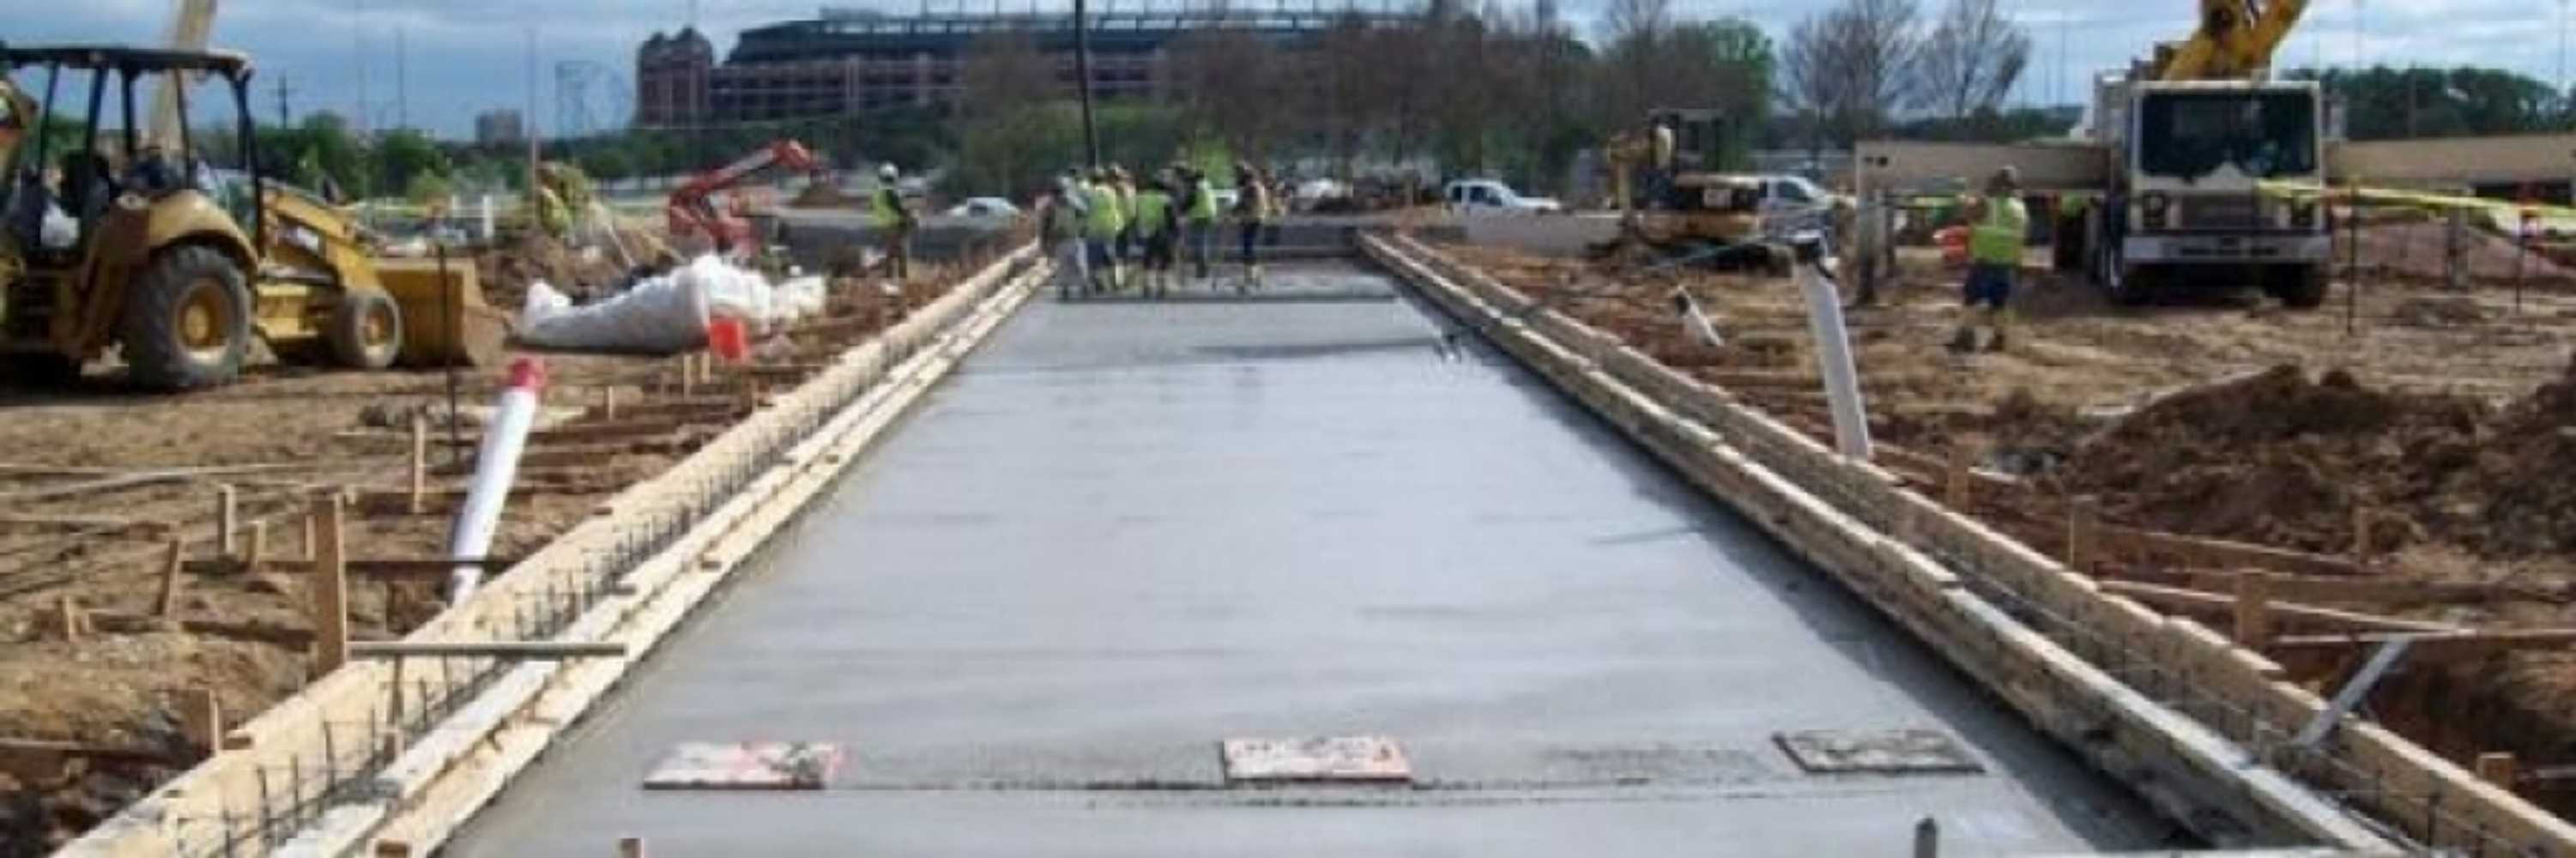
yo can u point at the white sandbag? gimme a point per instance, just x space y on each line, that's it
659 315
668 313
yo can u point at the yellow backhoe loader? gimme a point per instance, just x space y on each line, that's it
151 250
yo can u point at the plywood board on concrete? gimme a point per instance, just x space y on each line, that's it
746 766
1332 759
1908 751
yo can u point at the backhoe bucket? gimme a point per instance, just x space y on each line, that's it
444 320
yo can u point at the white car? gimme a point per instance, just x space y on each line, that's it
984 208
1470 196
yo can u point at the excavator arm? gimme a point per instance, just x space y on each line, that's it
2235 40
691 211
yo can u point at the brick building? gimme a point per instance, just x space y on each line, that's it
854 60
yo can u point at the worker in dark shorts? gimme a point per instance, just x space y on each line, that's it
1157 225
1998 223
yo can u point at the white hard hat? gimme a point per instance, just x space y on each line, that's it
887 171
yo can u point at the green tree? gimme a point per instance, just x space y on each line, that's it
402 155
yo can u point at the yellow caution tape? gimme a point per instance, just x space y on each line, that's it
2503 213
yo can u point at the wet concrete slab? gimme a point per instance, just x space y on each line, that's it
1127 532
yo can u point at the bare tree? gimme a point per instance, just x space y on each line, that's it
1974 56
1847 67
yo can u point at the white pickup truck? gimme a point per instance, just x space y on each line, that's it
1486 196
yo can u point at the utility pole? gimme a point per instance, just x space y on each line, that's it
402 81
1082 72
285 118
529 124
358 35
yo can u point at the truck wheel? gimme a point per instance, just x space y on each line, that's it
39 369
187 320
2299 286
366 329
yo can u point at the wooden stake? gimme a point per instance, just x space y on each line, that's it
608 402
330 588
67 616
309 541
2360 533
257 548
168 603
1959 478
2496 767
688 374
630 847
2079 534
2253 609
226 519
201 719
419 461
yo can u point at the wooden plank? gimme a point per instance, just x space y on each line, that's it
330 588
2225 553
2220 604
489 649
2381 589
2434 646
424 568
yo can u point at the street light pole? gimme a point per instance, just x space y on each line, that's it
1082 71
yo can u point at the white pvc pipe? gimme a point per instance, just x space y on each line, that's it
496 465
1833 349
1696 321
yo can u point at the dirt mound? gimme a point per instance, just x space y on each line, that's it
2531 507
821 195
2276 458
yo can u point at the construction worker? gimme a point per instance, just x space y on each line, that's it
1067 216
1200 209
894 221
1125 185
1998 225
1103 219
1156 227
1251 212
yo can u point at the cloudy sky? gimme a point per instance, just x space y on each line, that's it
458 57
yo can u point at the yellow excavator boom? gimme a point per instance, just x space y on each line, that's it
2235 40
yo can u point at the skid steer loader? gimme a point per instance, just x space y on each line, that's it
150 249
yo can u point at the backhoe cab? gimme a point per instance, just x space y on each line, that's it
116 238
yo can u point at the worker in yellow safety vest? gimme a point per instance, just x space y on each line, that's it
1105 219
1998 226
1199 208
1251 213
1155 229
894 222
1125 185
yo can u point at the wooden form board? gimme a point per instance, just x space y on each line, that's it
1941 573
442 776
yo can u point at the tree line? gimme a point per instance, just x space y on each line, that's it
1507 91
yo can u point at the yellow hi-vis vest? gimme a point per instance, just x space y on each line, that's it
1997 238
1152 205
1106 218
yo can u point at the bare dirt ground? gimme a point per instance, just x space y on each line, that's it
96 481
2445 419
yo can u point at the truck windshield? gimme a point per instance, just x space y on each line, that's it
2264 135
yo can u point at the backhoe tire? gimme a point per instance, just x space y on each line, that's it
366 330
187 320
39 370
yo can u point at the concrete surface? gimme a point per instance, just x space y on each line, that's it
1128 531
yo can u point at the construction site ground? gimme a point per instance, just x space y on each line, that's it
2403 431
98 480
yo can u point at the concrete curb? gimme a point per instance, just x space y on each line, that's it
1857 523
